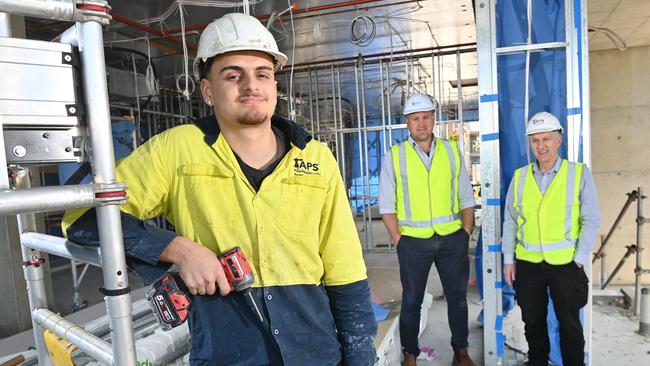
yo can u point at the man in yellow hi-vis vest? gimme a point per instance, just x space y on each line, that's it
427 204
550 225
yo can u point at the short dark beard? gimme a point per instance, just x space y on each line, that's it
252 118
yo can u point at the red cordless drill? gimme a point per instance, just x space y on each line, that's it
239 275
169 295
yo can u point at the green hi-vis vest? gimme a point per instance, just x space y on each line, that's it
427 200
548 224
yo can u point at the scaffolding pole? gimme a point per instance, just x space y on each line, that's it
90 18
116 283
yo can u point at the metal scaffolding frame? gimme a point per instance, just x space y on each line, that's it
104 194
577 64
367 118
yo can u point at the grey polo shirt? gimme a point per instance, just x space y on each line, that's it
387 181
589 214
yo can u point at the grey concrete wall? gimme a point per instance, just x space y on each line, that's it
620 120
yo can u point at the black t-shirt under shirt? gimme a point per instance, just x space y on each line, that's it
256 176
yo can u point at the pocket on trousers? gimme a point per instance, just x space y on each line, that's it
581 291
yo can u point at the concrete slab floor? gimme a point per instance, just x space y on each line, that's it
615 340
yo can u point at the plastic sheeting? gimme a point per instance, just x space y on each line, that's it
547 80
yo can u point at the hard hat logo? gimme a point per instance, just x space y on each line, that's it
419 103
236 32
543 122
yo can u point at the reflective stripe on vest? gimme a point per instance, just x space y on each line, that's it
538 248
405 208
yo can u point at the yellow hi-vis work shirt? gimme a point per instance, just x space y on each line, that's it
297 229
427 200
548 225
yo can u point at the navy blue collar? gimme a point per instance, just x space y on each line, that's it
296 134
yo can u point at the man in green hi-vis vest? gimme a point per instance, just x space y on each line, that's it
549 229
427 205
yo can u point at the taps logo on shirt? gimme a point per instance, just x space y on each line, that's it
301 167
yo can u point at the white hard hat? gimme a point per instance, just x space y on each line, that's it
236 32
543 122
418 103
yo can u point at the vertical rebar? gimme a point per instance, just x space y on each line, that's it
311 103
317 105
383 108
440 91
289 96
406 77
342 164
433 93
366 181
388 102
459 89
336 135
360 146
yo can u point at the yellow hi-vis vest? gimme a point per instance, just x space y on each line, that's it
427 200
548 225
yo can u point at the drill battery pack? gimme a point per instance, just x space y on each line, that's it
169 299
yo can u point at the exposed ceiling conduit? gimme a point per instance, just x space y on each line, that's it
311 9
148 29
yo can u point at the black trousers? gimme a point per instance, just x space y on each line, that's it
568 286
449 253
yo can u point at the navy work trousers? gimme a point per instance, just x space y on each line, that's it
449 253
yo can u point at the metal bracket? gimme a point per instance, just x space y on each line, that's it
110 193
98 11
70 58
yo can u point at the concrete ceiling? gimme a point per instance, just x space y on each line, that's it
630 19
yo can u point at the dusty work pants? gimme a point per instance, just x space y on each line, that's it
449 253
568 286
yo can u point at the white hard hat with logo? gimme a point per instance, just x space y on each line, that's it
418 103
543 122
236 32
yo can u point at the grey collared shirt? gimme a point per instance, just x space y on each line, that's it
589 214
387 181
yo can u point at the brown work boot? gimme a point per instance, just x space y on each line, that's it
461 358
409 359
